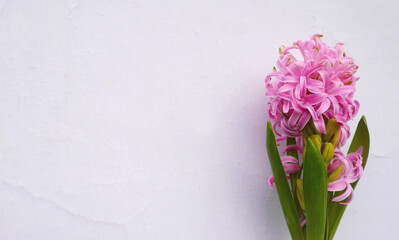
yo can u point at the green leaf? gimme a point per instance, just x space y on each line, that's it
315 192
283 189
335 210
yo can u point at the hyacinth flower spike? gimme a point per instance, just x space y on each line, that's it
321 86
310 103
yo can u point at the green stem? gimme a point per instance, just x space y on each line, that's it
293 176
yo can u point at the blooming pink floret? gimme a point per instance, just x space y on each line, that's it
319 87
352 170
290 165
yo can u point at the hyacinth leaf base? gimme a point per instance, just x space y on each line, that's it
322 214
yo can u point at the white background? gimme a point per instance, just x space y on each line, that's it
146 119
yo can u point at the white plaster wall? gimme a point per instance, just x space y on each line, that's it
145 120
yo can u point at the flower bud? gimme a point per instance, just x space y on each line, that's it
316 139
306 132
309 130
335 175
314 128
336 139
299 193
328 153
331 129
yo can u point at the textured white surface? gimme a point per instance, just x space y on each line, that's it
146 119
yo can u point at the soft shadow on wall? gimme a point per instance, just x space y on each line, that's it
262 209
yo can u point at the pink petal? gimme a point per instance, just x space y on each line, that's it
344 195
302 85
323 106
288 159
337 185
293 147
294 119
303 121
291 168
319 124
360 150
271 181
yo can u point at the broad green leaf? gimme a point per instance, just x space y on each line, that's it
315 192
283 189
336 210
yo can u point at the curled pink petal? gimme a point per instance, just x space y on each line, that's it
288 159
293 147
291 168
338 185
344 195
271 181
281 138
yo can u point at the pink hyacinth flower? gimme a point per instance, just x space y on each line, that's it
321 85
352 170
290 165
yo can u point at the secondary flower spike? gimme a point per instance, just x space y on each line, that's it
349 169
318 86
